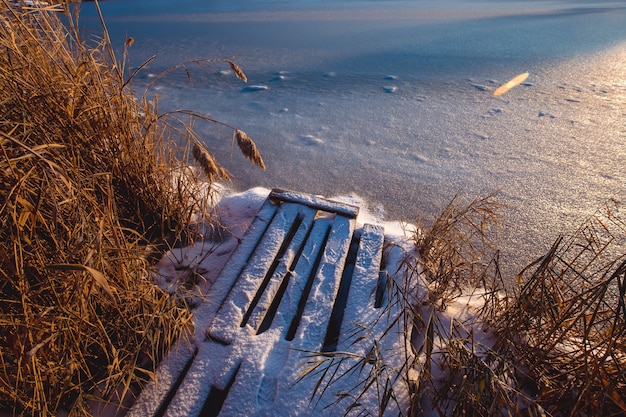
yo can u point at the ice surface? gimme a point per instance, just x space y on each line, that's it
326 124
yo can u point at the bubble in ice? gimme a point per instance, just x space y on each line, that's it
256 87
311 140
480 87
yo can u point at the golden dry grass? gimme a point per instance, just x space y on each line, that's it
89 182
557 340
565 328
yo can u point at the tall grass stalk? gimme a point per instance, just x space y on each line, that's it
90 179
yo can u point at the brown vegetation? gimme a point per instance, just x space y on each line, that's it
90 181
556 341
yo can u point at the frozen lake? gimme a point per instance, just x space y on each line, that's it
393 101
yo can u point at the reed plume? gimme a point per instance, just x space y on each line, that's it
238 71
209 166
248 148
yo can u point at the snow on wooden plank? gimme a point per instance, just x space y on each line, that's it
363 370
374 330
268 381
155 398
207 383
360 305
257 274
316 202
301 281
259 315
359 273
309 327
238 260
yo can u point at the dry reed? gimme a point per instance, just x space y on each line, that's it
89 181
456 249
556 345
248 148
238 71
565 329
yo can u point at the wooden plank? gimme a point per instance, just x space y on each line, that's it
156 393
205 312
254 277
284 264
155 397
299 324
303 274
276 298
375 329
256 386
213 369
363 287
318 203
318 304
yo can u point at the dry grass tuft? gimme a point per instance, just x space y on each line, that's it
89 181
555 346
566 329
458 373
456 250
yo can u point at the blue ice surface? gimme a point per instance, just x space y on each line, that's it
393 100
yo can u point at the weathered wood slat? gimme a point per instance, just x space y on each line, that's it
205 312
299 278
256 274
363 287
318 203
155 399
262 317
319 301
